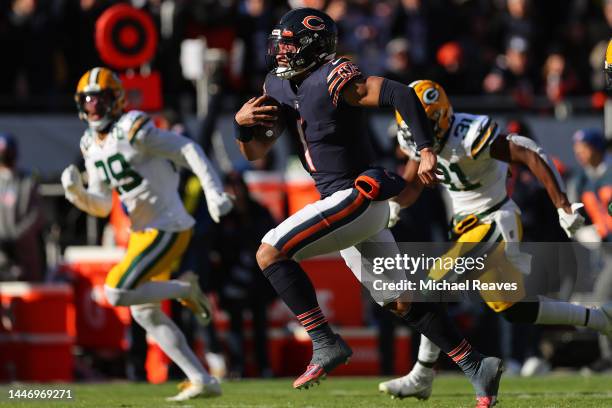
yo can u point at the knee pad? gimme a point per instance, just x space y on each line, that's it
522 312
116 297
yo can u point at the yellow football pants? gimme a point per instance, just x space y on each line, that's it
151 255
486 238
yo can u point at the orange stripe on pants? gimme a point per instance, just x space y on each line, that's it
326 222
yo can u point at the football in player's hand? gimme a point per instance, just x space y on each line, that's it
261 132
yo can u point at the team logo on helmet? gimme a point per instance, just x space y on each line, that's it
431 96
438 109
319 24
304 39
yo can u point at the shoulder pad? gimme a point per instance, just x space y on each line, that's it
481 133
131 123
341 72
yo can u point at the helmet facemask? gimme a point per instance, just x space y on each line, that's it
99 103
608 75
289 55
407 142
100 98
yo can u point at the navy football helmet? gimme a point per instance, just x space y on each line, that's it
303 39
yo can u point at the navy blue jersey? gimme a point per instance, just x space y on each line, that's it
333 138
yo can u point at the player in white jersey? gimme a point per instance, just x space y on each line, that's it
473 157
126 153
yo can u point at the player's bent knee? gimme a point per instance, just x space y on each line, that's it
268 255
117 297
146 315
398 307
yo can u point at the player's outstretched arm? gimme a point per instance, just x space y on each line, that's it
376 91
514 148
185 152
413 188
254 113
519 149
96 200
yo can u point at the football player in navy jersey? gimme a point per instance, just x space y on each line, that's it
321 97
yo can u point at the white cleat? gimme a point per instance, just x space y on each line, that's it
197 302
535 366
409 385
190 390
606 309
216 364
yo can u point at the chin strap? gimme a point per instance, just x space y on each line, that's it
289 72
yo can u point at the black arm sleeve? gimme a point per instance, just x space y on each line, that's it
404 100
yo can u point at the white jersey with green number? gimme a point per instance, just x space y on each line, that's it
138 161
474 180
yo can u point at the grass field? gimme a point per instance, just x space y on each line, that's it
449 391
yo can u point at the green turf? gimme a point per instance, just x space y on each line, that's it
449 391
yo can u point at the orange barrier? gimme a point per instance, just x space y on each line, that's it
338 291
268 189
282 196
98 324
365 359
120 222
37 326
300 193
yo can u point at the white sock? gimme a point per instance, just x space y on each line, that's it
149 292
170 339
428 353
553 312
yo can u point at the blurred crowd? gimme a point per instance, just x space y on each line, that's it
519 48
